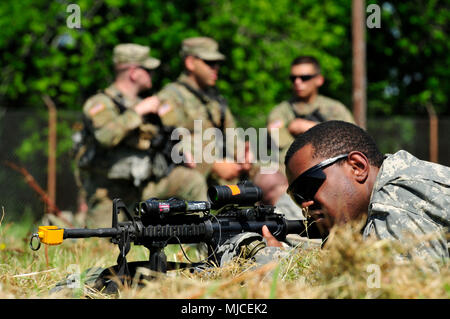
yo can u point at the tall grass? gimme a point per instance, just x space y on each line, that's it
347 267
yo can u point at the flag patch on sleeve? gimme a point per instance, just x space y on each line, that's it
97 108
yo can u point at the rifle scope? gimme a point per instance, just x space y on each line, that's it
153 207
245 194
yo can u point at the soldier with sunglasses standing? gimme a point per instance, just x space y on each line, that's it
113 155
194 97
306 107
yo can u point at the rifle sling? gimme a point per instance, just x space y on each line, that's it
314 116
122 108
204 101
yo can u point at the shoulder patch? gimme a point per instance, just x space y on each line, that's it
275 124
164 109
97 108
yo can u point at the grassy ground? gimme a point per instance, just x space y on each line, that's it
347 268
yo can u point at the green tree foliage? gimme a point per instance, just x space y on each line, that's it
407 56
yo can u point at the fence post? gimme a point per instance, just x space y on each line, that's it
434 134
51 166
359 62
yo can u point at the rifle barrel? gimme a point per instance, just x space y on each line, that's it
86 232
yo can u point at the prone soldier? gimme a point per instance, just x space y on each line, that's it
337 173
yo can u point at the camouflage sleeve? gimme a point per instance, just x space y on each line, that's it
389 221
172 114
235 144
109 126
249 245
171 109
280 118
229 119
336 111
410 202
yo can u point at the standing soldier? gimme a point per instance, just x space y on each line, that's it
117 157
306 107
194 96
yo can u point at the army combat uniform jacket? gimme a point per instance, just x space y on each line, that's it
321 110
121 139
121 166
182 105
411 200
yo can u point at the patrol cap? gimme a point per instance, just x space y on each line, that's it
202 47
134 54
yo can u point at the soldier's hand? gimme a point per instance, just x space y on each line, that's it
271 241
188 160
148 105
300 126
227 170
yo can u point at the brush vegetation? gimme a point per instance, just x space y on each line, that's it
347 267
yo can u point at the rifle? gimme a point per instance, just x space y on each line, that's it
158 223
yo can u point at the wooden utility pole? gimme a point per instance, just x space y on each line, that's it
434 134
51 166
359 62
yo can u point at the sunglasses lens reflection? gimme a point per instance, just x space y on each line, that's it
305 189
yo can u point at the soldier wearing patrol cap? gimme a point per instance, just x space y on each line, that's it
194 96
114 158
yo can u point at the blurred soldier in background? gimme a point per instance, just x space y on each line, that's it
306 107
116 155
274 187
194 96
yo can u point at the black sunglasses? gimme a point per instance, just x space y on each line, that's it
304 78
212 63
305 186
150 72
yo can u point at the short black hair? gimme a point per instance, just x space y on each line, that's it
333 138
306 59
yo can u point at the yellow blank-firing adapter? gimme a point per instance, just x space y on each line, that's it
50 235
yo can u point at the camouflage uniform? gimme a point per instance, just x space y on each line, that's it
115 161
410 200
411 197
286 206
320 110
182 103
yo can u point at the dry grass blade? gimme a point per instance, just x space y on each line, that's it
34 273
242 277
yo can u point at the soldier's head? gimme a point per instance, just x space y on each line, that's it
306 77
331 170
133 64
202 60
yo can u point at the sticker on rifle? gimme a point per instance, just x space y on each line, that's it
97 108
164 208
234 189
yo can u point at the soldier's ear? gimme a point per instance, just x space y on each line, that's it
319 80
189 63
359 164
132 73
